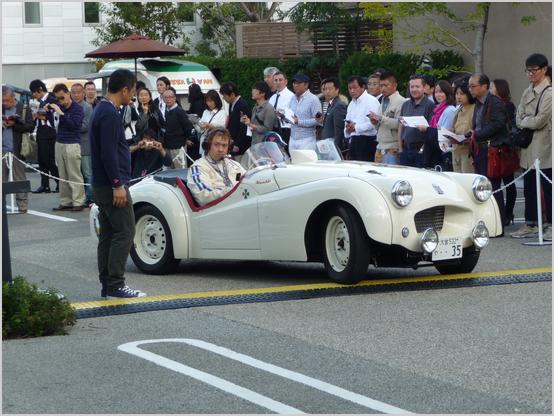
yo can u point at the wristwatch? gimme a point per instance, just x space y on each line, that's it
380 118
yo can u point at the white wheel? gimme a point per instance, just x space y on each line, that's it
150 239
337 244
152 250
346 245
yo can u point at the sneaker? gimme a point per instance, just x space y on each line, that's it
526 231
547 233
122 292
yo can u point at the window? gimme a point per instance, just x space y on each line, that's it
92 12
32 13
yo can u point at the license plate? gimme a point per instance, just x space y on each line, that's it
448 248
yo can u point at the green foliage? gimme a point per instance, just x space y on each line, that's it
364 64
323 20
29 311
444 64
161 21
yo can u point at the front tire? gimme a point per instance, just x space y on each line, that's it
152 250
466 265
346 246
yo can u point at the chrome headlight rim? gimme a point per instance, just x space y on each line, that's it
402 193
429 241
482 188
480 235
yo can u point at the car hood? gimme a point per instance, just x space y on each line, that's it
383 177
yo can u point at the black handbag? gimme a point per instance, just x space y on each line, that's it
524 137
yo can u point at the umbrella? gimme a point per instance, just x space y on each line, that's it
135 46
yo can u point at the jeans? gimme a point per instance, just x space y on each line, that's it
117 231
530 194
411 157
86 168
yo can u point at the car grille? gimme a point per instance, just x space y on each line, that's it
429 218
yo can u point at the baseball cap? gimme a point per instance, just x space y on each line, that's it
301 78
271 136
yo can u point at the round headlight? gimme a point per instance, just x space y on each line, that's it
480 235
402 193
429 240
482 188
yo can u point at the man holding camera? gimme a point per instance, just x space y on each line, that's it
68 148
148 155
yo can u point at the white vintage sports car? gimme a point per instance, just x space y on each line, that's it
317 208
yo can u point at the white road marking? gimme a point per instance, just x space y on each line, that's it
132 348
42 214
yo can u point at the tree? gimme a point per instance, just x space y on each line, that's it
326 21
161 21
433 30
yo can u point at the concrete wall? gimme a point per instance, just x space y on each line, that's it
54 49
507 42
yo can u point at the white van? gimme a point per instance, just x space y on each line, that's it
181 74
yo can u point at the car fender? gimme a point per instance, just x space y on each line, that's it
174 207
284 215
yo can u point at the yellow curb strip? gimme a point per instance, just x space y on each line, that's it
195 295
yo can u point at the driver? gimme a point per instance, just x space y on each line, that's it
214 175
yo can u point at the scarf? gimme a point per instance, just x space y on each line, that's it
438 113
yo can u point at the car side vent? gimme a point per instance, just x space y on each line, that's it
429 218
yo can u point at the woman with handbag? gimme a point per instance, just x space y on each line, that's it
214 116
500 88
149 116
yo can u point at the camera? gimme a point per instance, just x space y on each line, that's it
318 114
149 144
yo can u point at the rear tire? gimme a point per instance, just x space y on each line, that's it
152 250
346 248
467 264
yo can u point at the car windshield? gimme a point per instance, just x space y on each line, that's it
327 150
264 154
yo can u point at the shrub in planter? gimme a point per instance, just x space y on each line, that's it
30 311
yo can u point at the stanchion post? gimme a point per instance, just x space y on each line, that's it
10 178
539 208
9 188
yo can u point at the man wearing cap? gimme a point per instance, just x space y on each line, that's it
305 106
273 137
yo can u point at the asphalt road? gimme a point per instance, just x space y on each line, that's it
468 350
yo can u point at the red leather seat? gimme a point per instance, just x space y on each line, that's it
192 202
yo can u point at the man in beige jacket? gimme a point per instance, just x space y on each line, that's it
540 148
386 120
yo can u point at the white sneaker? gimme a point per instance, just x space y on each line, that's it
547 233
526 232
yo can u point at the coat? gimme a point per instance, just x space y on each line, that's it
541 146
333 123
19 128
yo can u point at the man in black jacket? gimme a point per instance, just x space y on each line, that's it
489 128
178 129
12 135
238 130
46 137
333 120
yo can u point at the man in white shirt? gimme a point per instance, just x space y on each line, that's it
281 100
358 127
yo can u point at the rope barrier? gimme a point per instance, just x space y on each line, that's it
179 157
